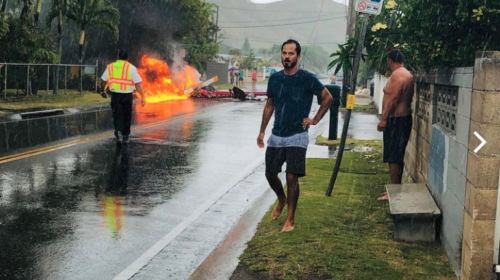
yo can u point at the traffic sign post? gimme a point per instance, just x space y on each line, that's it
350 101
373 7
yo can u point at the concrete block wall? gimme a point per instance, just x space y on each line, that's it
417 151
479 245
439 158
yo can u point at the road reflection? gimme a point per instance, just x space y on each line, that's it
112 200
57 208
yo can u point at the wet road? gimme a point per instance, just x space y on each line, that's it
92 210
154 209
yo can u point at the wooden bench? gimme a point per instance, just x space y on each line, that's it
414 211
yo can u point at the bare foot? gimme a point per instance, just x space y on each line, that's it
385 197
287 227
277 211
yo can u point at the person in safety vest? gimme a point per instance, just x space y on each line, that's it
122 79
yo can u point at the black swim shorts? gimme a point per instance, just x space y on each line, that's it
396 136
295 158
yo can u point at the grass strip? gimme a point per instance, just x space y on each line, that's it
44 101
346 236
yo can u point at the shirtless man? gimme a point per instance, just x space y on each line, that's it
396 120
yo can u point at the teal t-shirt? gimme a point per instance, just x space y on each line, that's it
292 97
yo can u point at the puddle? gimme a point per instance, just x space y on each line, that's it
352 147
362 149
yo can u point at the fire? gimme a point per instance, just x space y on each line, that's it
162 111
160 83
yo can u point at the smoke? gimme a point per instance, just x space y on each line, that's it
178 66
148 28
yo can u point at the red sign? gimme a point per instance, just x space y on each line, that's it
362 6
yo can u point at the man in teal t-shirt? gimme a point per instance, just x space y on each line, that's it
290 93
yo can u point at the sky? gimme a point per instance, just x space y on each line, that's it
270 1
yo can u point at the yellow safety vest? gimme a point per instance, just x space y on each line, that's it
120 76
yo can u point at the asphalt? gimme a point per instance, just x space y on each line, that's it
180 201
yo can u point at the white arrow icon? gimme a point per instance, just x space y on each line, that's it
482 142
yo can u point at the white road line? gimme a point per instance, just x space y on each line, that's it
145 258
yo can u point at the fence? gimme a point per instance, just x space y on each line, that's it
28 79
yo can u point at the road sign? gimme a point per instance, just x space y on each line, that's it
373 7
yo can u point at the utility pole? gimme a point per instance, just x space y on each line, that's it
366 7
350 107
351 20
350 33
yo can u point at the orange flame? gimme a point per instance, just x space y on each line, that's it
162 111
160 83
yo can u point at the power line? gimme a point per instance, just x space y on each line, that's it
310 17
316 23
275 41
294 23
312 33
275 11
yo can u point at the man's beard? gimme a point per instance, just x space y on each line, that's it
289 64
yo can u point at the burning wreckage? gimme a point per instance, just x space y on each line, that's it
161 83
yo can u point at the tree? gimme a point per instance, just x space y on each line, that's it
25 42
224 48
263 52
275 52
236 52
343 57
245 49
196 30
162 27
88 13
38 10
249 61
3 8
4 26
26 10
314 58
58 9
417 27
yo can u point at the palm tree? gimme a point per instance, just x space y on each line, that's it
4 27
87 13
3 9
26 11
58 9
38 10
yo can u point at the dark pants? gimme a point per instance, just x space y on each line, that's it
121 105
